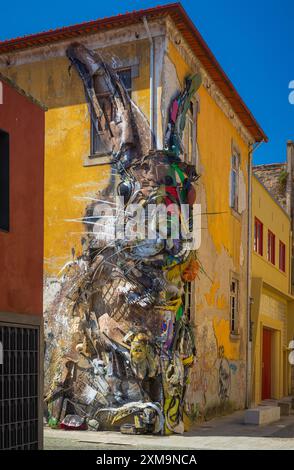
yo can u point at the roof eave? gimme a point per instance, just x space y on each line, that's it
185 26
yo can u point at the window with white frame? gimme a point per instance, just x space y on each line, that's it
234 305
99 144
234 186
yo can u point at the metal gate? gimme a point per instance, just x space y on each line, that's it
19 386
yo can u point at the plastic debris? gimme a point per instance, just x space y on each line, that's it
73 423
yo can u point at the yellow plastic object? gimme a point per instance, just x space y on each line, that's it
172 305
188 361
171 413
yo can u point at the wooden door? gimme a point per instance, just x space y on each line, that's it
266 363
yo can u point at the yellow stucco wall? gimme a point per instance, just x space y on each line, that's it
275 219
215 135
272 301
224 234
222 250
67 144
62 92
272 315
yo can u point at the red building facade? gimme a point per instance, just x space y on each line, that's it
22 122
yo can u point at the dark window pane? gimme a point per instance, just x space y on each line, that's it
4 180
126 77
282 256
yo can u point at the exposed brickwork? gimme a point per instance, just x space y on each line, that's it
276 311
271 176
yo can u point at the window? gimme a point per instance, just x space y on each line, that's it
100 141
19 387
234 195
4 181
271 241
258 236
190 134
126 77
282 256
234 305
188 298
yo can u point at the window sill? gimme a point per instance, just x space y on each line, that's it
97 159
236 214
234 336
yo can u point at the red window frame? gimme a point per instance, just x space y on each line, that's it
258 236
282 256
271 247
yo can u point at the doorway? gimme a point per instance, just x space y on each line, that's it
266 364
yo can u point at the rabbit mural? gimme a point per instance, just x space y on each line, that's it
120 345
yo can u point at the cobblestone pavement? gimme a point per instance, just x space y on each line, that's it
227 432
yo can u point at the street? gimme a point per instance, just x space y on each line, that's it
225 433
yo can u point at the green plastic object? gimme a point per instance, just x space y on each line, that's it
194 84
179 313
179 172
53 423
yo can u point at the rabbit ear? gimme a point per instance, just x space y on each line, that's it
123 129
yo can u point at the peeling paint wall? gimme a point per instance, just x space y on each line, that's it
219 375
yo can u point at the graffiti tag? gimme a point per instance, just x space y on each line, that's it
224 385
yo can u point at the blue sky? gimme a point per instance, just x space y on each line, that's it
253 40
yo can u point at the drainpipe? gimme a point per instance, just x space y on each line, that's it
249 299
151 41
